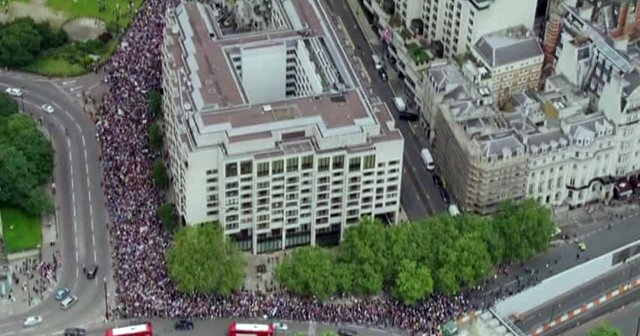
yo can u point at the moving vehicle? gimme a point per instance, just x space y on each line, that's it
183 325
144 329
400 105
14 92
91 272
377 61
68 302
75 332
62 294
47 108
32 320
246 329
280 326
427 159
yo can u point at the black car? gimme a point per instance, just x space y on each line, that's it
75 332
445 196
347 332
437 180
408 116
183 325
383 74
91 272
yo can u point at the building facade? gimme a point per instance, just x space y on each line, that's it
506 62
281 155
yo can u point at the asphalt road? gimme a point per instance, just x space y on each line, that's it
419 195
625 318
219 327
79 202
578 296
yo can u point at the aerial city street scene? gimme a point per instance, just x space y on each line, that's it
319 167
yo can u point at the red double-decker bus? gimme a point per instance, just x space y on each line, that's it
132 330
247 329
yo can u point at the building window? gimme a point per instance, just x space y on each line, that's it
323 164
338 162
263 169
307 162
354 164
292 164
369 162
246 167
231 169
277 167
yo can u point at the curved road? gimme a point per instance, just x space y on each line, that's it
81 217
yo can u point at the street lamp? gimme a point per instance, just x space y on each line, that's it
28 290
106 302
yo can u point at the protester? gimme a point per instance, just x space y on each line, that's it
138 240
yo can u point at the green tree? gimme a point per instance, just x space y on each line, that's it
343 275
308 272
446 280
22 133
200 260
20 43
155 103
471 259
167 217
413 282
38 201
15 177
160 174
364 246
155 136
8 105
605 330
525 228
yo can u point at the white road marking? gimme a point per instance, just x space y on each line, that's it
75 88
69 82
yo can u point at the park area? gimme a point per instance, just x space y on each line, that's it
20 231
86 22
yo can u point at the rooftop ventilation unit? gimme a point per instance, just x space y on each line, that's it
266 108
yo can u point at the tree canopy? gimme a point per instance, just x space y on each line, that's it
155 103
605 330
201 260
26 161
160 174
413 259
155 136
23 40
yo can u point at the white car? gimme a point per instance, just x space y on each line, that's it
14 92
32 320
47 108
280 326
68 302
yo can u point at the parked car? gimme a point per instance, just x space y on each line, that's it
47 108
347 332
383 74
408 116
68 302
14 92
62 294
91 272
75 332
437 180
183 325
32 320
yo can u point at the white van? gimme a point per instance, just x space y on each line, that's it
400 104
377 62
427 159
453 210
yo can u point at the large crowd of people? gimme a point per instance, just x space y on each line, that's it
139 242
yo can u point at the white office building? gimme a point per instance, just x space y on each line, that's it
268 130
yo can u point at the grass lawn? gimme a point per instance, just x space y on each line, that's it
90 8
55 67
26 233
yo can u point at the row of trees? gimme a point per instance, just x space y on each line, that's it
23 40
26 160
605 330
412 260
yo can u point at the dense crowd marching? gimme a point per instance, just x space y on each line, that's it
144 289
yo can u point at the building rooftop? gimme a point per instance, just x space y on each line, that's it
233 64
508 46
